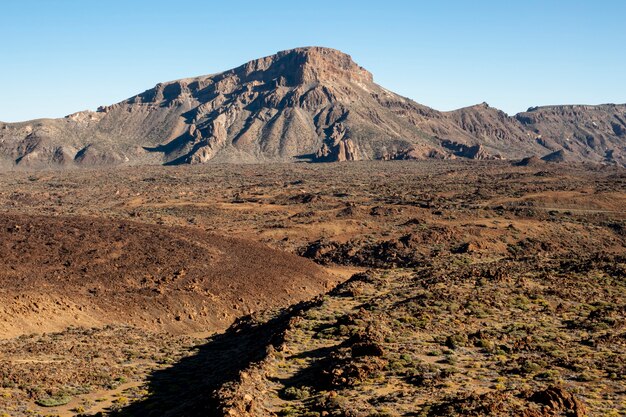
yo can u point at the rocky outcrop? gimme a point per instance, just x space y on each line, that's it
306 104
557 401
556 156
530 161
477 151
338 147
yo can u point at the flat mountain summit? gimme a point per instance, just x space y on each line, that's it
306 104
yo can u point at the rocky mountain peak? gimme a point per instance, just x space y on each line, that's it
306 104
306 66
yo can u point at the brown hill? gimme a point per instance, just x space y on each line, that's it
593 133
531 161
65 271
311 104
556 156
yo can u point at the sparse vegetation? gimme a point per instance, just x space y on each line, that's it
53 401
492 298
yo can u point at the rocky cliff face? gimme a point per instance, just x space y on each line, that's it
313 104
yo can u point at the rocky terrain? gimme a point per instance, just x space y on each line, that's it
306 104
451 339
478 288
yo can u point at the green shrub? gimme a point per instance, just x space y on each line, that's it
295 393
53 401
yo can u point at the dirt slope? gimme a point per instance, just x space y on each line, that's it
71 271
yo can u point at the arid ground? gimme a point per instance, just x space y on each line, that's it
478 288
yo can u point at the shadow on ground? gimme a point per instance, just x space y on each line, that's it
187 388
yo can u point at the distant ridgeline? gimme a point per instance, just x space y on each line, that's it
306 104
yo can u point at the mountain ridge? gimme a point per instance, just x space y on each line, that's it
305 104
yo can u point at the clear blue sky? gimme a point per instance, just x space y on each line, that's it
61 56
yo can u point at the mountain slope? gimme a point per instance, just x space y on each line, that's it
581 132
312 104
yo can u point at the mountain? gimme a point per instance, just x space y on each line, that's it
307 104
580 132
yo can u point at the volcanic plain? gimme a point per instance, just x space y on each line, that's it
378 288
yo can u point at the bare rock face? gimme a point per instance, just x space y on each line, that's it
306 104
339 147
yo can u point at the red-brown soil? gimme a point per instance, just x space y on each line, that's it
83 271
494 288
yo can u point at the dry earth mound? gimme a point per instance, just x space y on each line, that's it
80 271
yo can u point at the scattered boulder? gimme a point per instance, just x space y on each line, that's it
558 401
